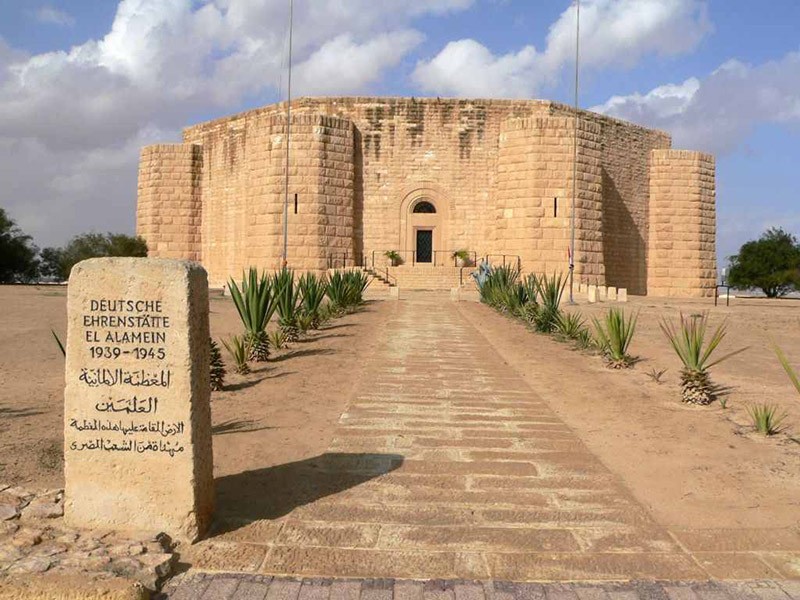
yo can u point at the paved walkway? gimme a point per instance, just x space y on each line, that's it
447 465
259 587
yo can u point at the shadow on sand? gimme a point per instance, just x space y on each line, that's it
275 491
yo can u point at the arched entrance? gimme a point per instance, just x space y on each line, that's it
422 233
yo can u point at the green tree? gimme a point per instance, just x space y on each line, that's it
58 262
17 252
770 263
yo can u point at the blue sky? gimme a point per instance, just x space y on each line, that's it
85 83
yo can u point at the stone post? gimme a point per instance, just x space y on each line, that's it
137 416
592 294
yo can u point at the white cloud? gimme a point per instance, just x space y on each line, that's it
72 122
614 33
717 114
344 64
54 16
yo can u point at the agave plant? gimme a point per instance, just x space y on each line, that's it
217 372
614 337
287 299
255 302
766 418
496 283
569 325
787 367
337 292
277 339
549 291
689 340
312 291
356 283
239 350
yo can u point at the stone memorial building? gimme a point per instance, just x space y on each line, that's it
426 177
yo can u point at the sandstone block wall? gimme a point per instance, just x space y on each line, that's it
682 238
533 195
492 169
169 211
244 178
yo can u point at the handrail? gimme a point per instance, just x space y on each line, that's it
435 260
516 258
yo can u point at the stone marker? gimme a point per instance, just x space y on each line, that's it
622 294
394 293
455 294
592 294
611 293
602 293
137 415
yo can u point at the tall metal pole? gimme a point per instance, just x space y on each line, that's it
288 138
574 158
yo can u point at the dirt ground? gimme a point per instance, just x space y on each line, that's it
691 467
282 412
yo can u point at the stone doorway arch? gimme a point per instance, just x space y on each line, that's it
423 227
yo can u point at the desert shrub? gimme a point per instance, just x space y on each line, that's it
656 374
549 291
217 367
356 283
238 348
255 302
277 339
766 418
496 283
690 342
569 325
312 291
287 300
614 335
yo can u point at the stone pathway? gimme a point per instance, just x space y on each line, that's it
259 587
448 466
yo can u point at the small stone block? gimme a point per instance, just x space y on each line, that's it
394 293
602 293
455 294
622 295
611 293
592 294
137 413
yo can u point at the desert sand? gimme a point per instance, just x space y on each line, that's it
690 467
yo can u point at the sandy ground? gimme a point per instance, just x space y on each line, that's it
282 412
692 467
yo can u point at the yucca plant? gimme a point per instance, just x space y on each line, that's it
689 340
356 283
304 322
337 292
569 325
795 379
549 292
277 339
239 350
766 418
614 335
495 284
287 299
312 291
217 372
255 302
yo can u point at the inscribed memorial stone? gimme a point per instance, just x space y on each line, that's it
137 416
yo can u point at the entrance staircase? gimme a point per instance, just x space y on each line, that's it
422 277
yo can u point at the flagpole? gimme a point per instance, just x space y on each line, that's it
574 157
288 138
